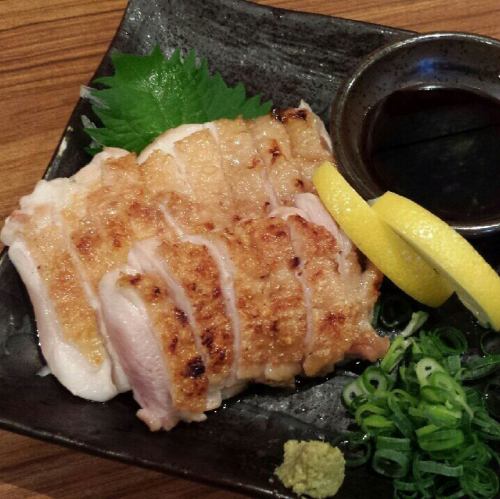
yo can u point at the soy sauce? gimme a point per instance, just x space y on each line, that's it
439 147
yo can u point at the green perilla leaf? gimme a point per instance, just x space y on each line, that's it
150 94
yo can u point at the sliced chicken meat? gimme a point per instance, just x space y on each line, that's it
309 147
116 213
243 169
202 265
157 345
66 307
282 173
269 300
194 282
205 202
341 294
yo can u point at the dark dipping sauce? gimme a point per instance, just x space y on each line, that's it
439 147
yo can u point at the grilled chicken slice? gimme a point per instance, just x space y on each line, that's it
310 144
291 143
282 174
200 266
66 308
269 300
157 346
114 215
194 282
341 294
243 169
217 173
195 153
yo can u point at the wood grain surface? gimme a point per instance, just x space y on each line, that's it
48 48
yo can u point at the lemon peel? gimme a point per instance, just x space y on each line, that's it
474 280
381 245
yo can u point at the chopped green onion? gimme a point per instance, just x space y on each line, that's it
402 397
416 349
394 311
474 397
479 367
368 409
351 391
487 427
478 453
492 396
405 486
450 490
479 482
456 393
438 439
356 448
417 411
409 379
419 488
376 314
423 481
425 368
399 418
392 463
400 444
440 415
440 469
429 345
416 322
395 353
376 424
453 364
449 340
375 379
434 394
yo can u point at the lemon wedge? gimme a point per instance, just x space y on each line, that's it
381 245
475 282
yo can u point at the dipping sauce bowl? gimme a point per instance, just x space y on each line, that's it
421 117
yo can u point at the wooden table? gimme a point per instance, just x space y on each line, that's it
48 48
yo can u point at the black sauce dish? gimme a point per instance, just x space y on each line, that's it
421 117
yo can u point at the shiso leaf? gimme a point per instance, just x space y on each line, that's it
149 94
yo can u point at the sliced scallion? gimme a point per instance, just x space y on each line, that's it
441 416
440 469
490 343
479 482
479 367
425 368
430 430
375 379
449 340
439 439
395 354
394 311
376 424
399 444
351 391
356 448
492 397
417 320
392 463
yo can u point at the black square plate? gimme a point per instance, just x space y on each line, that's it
285 56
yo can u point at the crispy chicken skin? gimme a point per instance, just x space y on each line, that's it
269 300
199 276
201 265
72 337
188 379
